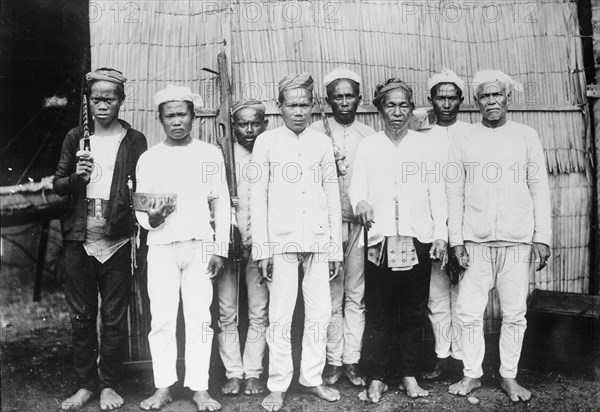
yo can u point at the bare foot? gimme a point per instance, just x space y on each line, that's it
160 398
254 386
354 375
109 399
515 391
205 402
465 386
323 392
440 367
374 392
81 397
232 386
409 383
331 374
274 401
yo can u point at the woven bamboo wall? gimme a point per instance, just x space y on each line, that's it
536 42
155 43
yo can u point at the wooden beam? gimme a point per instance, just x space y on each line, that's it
272 109
595 219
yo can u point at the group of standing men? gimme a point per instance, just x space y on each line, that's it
375 236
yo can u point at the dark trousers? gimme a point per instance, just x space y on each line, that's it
85 277
396 304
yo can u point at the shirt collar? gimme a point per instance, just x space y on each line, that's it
239 147
291 133
338 124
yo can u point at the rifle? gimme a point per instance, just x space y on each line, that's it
340 162
85 122
226 143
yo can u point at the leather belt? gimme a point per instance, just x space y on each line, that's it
97 208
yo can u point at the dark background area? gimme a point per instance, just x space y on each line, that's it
45 51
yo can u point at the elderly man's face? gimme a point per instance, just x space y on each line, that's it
104 102
343 97
445 100
492 100
396 110
296 108
248 123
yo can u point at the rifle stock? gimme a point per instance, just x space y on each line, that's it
340 163
226 142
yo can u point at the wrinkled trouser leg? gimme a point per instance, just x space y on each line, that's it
283 291
442 313
85 278
258 306
512 285
229 338
172 268
354 298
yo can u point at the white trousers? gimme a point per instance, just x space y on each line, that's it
507 269
442 313
283 291
176 268
229 339
347 325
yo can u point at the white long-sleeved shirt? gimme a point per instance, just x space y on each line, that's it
410 172
192 172
245 175
347 138
295 200
497 186
439 138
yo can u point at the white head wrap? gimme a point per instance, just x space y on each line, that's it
341 73
495 76
177 94
446 76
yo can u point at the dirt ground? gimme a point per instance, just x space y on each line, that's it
37 368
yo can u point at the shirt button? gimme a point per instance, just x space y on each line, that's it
299 154
304 192
344 194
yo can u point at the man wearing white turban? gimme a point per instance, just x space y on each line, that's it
296 220
446 95
499 224
183 258
248 122
404 210
345 333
